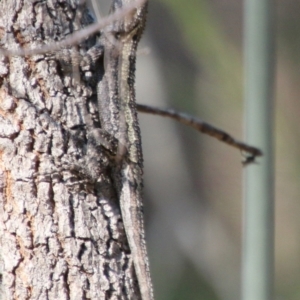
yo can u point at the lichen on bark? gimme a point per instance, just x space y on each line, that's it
61 233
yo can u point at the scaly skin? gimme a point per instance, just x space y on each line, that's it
118 117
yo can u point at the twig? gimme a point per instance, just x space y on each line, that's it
76 37
203 127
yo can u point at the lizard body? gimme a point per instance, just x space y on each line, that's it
118 117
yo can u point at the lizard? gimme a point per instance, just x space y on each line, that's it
118 118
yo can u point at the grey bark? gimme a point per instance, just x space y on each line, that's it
61 233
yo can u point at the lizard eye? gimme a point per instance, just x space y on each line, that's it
117 35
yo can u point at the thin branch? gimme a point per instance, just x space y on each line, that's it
78 36
203 127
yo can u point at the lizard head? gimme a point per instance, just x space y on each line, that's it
134 21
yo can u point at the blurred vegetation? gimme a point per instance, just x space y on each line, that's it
199 49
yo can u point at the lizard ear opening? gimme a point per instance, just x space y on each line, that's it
136 37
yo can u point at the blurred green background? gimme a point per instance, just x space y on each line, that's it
191 59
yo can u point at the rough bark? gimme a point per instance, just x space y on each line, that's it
61 234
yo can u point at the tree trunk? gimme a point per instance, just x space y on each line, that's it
62 235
